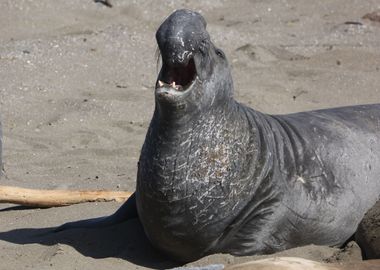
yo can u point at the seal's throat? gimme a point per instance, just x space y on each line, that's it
179 77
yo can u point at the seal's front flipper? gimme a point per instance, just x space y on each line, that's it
127 211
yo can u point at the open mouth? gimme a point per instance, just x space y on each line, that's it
178 77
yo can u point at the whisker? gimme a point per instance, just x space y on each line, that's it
159 59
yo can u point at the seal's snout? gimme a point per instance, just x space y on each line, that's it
180 35
179 38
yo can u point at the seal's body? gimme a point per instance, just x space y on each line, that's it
217 176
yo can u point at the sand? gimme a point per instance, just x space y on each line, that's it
76 98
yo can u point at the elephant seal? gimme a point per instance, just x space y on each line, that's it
215 176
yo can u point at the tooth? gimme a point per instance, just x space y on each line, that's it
160 83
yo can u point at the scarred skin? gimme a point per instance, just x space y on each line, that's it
217 176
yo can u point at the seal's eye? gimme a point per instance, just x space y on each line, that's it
220 53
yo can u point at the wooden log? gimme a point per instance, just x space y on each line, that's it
54 198
294 263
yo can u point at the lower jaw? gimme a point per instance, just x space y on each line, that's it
169 91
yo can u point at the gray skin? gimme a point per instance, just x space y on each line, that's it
217 176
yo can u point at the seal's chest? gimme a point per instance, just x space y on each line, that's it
194 180
200 188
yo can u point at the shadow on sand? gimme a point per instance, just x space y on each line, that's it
126 241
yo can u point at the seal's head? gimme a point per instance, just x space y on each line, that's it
195 75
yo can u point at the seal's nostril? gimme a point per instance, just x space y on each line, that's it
185 56
181 31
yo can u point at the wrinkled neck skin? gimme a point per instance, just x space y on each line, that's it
199 174
203 179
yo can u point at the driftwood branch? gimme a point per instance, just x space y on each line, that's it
53 198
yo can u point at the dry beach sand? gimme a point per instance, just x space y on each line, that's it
76 97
